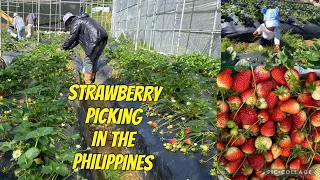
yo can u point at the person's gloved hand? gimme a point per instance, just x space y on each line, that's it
255 34
277 48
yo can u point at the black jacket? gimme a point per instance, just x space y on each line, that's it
86 32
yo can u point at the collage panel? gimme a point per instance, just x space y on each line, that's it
268 101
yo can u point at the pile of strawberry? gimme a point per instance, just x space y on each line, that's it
268 119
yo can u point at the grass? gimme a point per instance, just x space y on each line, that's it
288 40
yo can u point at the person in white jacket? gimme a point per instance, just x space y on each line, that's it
270 29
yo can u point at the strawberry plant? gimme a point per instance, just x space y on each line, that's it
267 120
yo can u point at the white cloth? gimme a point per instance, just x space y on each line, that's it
30 29
269 35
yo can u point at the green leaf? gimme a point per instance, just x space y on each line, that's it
43 131
46 169
32 153
62 170
5 146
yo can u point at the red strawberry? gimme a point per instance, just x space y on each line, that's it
311 77
238 177
285 142
233 154
292 77
277 164
246 169
220 145
307 143
283 93
234 102
316 158
187 141
275 84
261 174
222 160
233 166
253 128
276 151
256 161
272 100
304 160
222 120
224 79
187 130
264 88
270 177
21 101
236 118
305 99
299 119
291 106
237 141
316 103
248 116
285 152
249 97
278 74
315 119
155 125
268 156
248 147
261 74
297 137
316 136
222 107
277 115
286 124
173 141
242 81
254 177
263 116
268 129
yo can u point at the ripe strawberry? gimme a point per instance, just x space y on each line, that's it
222 107
277 115
237 140
248 116
272 100
277 74
238 177
242 81
262 103
270 177
285 152
248 147
220 145
222 120
187 130
256 161
263 143
187 141
291 106
261 174
21 101
307 143
224 79
292 77
249 97
252 128
236 118
276 151
173 141
264 88
234 102
299 119
297 137
285 142
268 156
311 77
154 125
261 74
286 124
306 99
246 169
316 103
233 166
277 164
304 160
283 93
233 154
254 177
222 160
263 116
315 119
316 158
268 129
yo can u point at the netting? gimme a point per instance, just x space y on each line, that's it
170 26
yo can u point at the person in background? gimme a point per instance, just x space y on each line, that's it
91 36
30 22
269 29
18 25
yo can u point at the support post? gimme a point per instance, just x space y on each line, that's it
181 22
38 21
138 26
214 27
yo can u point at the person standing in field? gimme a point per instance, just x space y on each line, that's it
18 25
31 22
91 36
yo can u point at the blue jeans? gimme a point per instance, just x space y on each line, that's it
262 41
20 32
